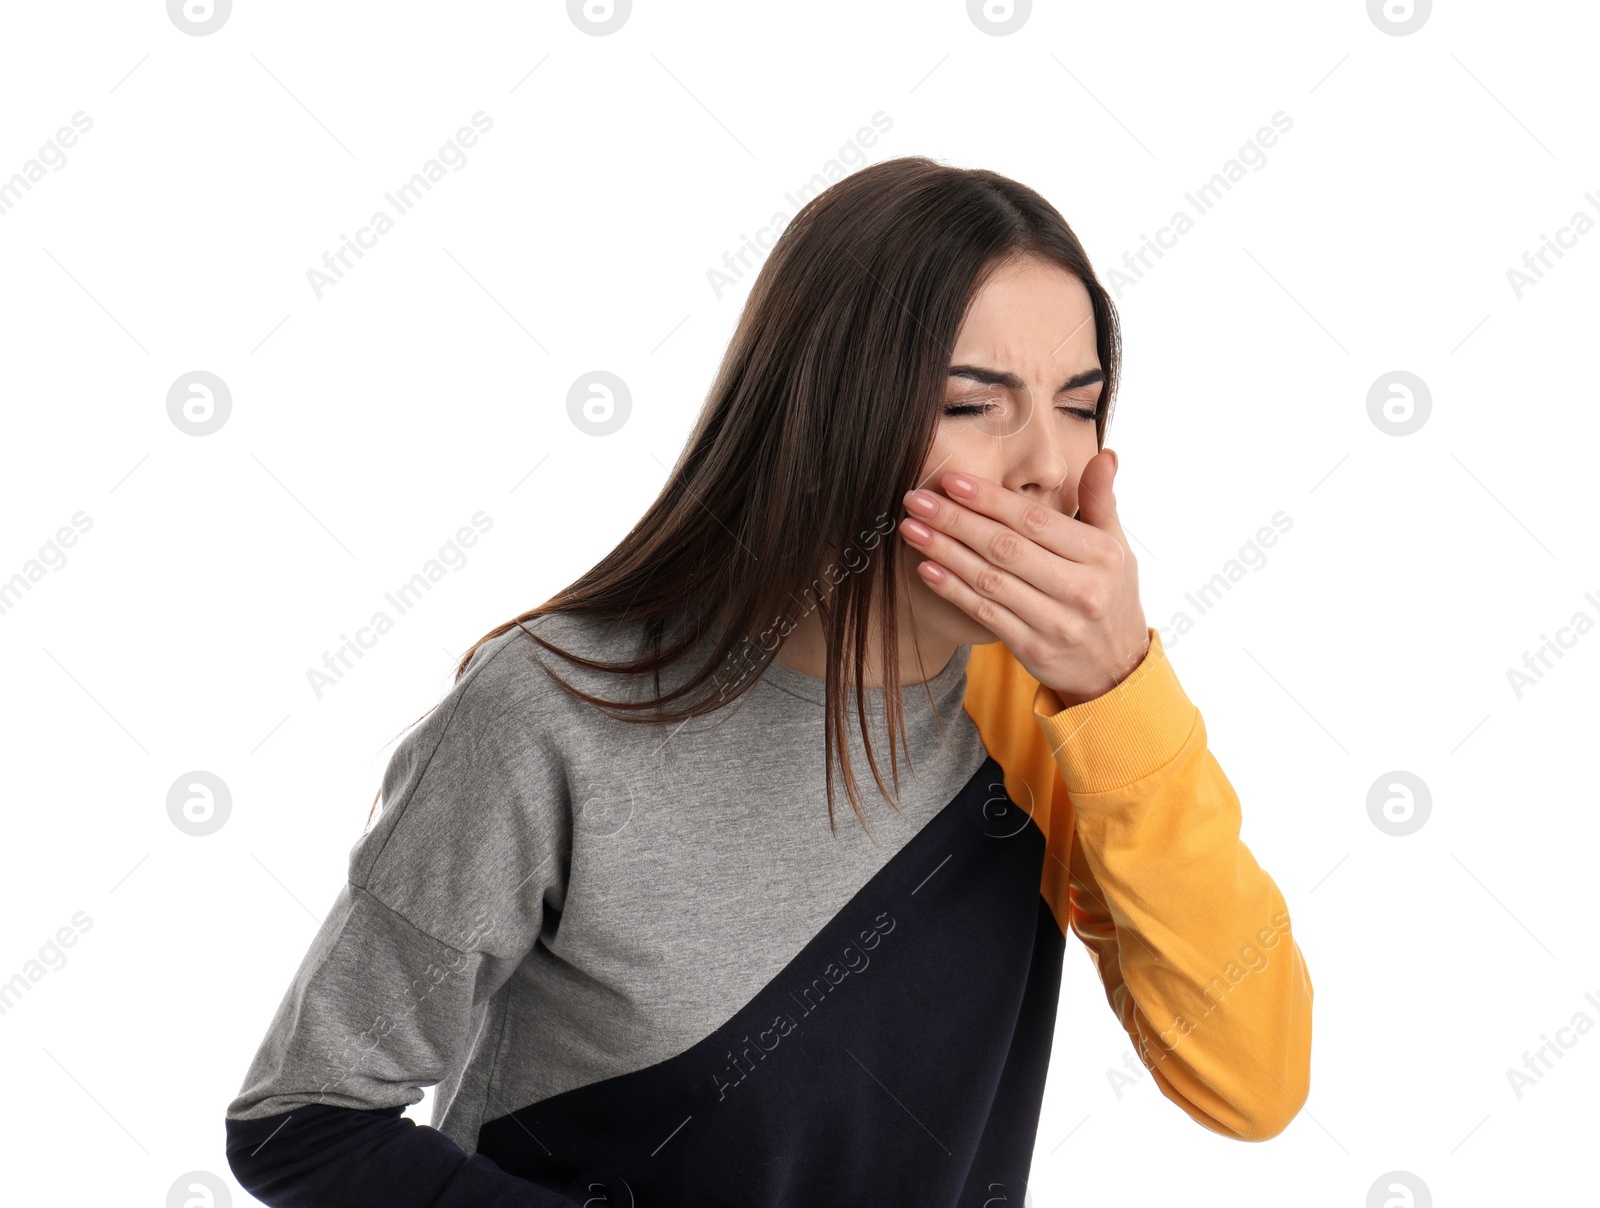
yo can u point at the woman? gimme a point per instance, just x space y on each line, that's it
601 908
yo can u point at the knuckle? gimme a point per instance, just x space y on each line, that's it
1067 631
1035 518
1077 594
988 582
1006 546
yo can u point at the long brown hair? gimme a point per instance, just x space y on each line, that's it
820 418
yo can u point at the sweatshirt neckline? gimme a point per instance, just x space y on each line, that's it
811 688
913 696
815 688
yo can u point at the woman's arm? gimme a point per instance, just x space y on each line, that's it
303 1159
378 1010
1191 937
445 896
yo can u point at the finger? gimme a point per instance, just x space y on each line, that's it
991 614
1055 531
1033 605
1031 556
984 539
1097 500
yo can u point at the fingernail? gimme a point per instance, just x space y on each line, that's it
958 485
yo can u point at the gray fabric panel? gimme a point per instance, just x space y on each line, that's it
551 897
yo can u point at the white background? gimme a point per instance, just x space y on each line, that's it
367 426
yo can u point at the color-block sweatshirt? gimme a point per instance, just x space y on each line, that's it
641 969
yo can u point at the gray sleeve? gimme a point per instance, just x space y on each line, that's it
446 894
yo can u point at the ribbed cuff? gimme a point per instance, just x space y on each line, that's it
1122 735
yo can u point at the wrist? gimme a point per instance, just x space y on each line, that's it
1128 664
1124 734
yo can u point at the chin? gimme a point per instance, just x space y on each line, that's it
955 625
973 634
938 616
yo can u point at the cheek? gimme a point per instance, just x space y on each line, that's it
960 444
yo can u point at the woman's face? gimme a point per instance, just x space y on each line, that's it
1025 380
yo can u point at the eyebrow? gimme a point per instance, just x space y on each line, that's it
993 377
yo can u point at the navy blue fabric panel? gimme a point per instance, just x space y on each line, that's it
319 1156
898 1059
1019 1093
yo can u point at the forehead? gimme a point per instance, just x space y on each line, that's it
1030 314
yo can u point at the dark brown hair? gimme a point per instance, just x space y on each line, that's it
819 420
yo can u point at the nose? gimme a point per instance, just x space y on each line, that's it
1035 456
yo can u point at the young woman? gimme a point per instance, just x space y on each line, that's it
607 908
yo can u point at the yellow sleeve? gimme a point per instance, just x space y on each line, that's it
1191 937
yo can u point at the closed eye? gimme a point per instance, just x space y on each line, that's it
1089 413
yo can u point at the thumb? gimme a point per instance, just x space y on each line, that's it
1097 501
